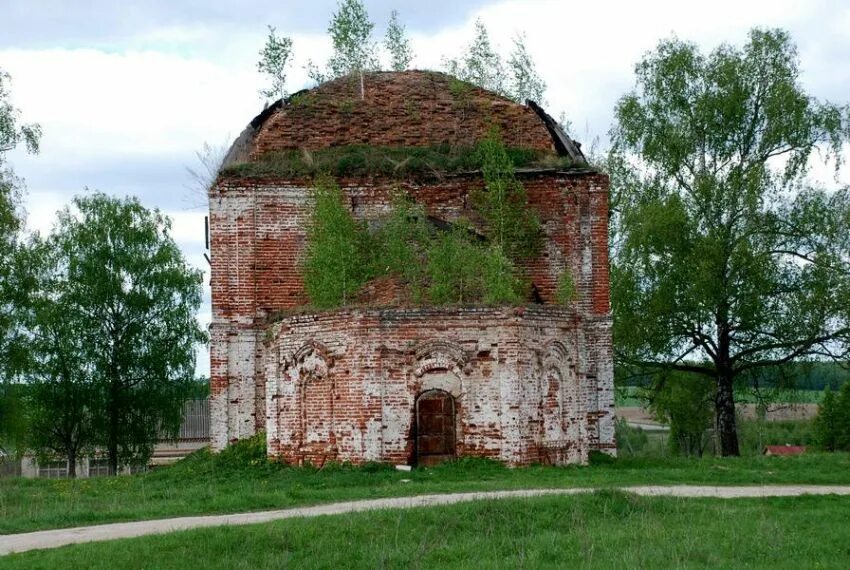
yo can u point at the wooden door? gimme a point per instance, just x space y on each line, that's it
435 427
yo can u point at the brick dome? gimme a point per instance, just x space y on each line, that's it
398 109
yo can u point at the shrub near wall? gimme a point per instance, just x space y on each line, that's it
442 266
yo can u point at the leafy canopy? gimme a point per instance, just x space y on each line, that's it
482 65
354 50
447 263
335 265
512 225
274 59
524 82
14 272
120 313
397 44
724 260
832 424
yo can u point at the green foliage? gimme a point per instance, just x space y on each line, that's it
512 226
12 131
13 422
524 82
426 163
454 263
566 292
758 433
354 50
600 458
481 65
403 240
250 451
832 424
336 259
502 281
630 440
397 44
275 57
462 269
723 260
15 278
114 330
449 267
684 402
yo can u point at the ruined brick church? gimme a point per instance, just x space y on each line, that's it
384 380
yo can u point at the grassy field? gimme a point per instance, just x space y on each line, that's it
628 396
603 530
240 479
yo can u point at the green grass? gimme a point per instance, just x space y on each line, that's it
603 530
392 162
241 480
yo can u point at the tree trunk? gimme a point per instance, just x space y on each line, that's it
72 464
112 436
724 403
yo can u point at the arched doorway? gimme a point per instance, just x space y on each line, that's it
435 427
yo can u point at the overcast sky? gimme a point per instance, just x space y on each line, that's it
126 92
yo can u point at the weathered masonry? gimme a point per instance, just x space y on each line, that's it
385 381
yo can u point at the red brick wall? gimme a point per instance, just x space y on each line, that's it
258 233
258 229
414 108
343 384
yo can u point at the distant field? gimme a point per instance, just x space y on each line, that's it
627 396
604 530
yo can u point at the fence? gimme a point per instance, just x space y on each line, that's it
10 467
196 420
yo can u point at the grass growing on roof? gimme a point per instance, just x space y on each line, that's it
393 162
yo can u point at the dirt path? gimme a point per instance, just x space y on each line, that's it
60 537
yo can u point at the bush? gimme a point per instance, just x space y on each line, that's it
686 403
596 457
832 424
566 291
337 254
512 225
403 240
454 266
630 440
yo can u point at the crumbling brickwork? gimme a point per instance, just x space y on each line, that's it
426 109
343 385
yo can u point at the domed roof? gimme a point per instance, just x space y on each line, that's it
397 109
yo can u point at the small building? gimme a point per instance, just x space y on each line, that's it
784 449
386 380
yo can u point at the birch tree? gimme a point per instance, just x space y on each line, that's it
397 44
275 57
726 260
